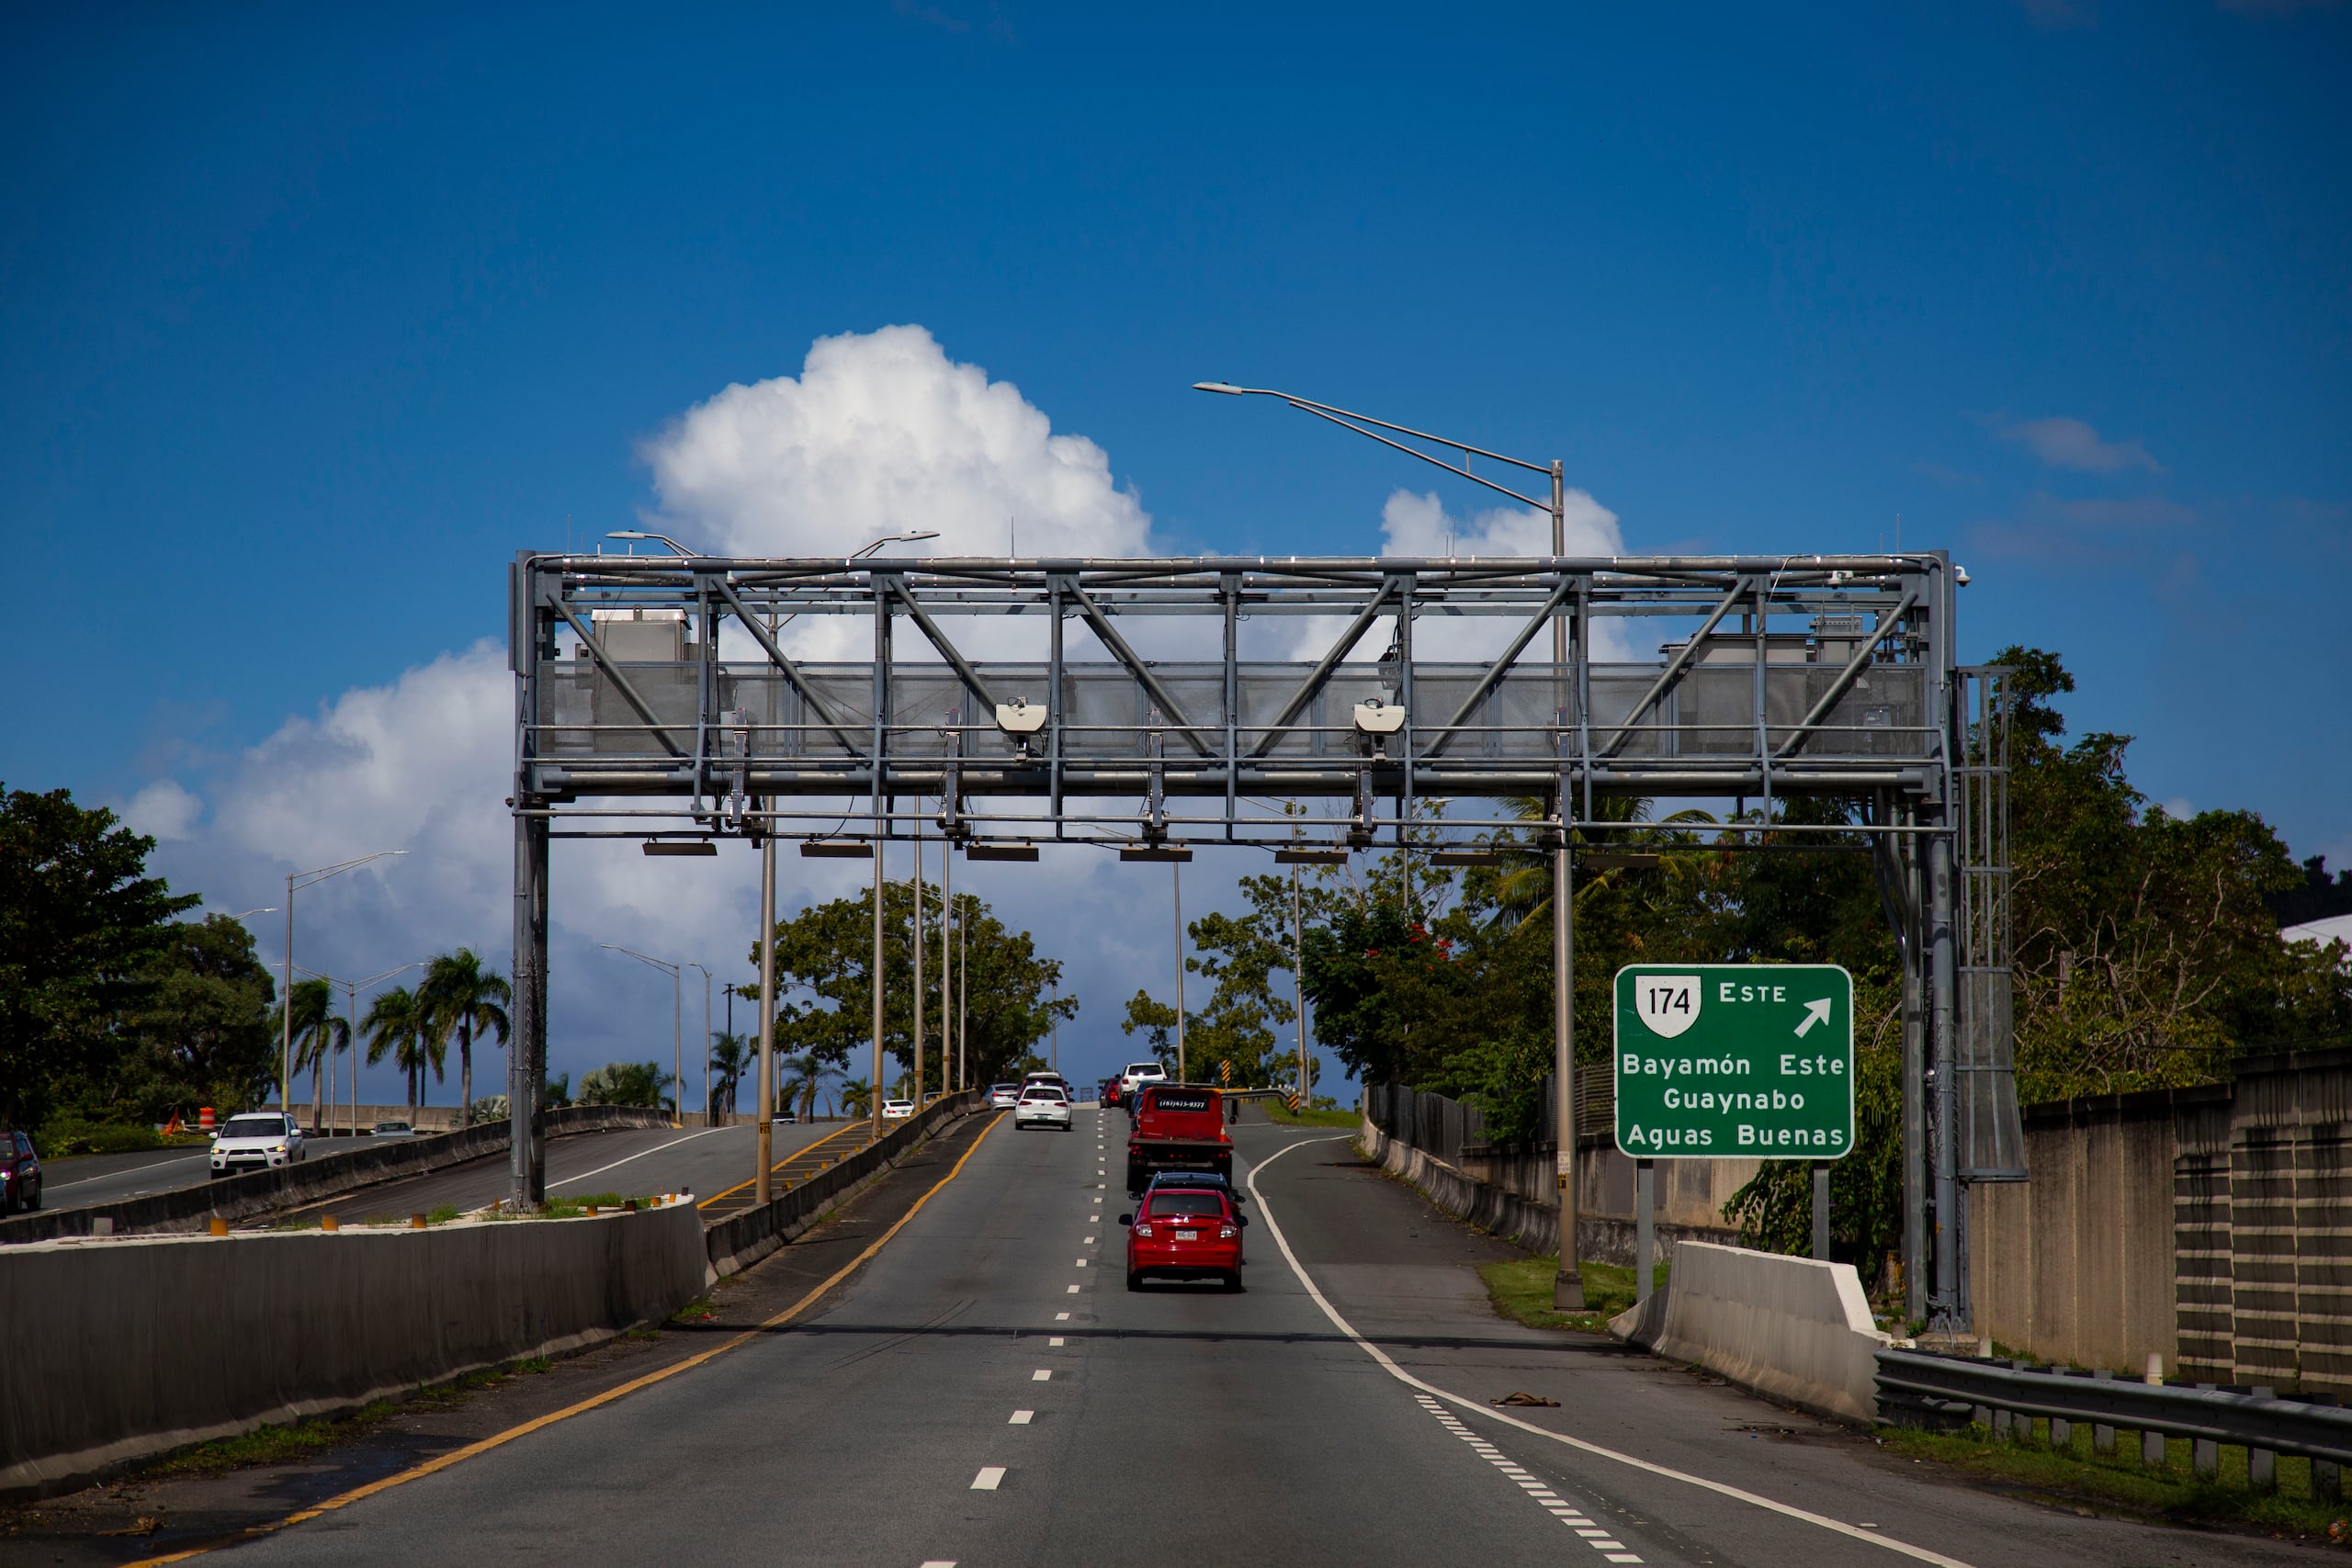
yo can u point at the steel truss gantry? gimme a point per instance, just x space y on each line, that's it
1156 704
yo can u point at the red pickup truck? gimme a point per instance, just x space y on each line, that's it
1178 1127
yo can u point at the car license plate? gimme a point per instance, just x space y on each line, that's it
1188 1236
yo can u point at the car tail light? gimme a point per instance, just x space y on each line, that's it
1143 1230
1226 1233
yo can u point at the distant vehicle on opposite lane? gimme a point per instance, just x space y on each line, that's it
258 1140
1042 1105
19 1173
897 1110
393 1130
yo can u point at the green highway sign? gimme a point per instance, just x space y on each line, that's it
1717 1060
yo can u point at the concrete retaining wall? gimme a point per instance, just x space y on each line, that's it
259 1192
735 1244
1533 1225
149 1343
1789 1328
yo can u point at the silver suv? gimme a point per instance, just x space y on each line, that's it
258 1140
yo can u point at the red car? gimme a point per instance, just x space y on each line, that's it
1184 1234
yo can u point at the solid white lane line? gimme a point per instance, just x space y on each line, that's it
991 1477
1042 1374
1021 1418
1722 1489
656 1149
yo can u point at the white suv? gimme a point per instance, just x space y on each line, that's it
1138 1075
259 1140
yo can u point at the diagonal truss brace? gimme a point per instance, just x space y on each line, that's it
791 671
621 683
1501 667
1117 645
1830 699
1676 666
1321 675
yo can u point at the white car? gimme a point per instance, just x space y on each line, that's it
1138 1075
1003 1096
258 1140
1042 1105
897 1110
393 1130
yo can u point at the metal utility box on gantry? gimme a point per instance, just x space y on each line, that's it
1153 702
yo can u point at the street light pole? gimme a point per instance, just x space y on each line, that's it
917 993
1177 869
677 1020
706 1042
295 883
873 1095
764 1179
1567 1290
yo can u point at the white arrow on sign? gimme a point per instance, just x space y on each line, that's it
1814 1012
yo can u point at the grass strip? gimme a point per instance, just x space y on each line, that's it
1520 1288
1308 1116
2173 1491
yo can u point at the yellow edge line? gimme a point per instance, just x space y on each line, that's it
787 1160
454 1456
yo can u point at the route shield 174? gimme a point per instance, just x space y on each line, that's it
1732 1060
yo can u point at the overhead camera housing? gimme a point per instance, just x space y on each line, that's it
1378 718
1019 719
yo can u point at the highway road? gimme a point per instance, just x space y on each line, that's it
633 1163
985 1391
85 1179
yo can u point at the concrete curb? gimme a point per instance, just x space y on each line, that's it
1506 1214
1790 1328
736 1243
165 1341
262 1192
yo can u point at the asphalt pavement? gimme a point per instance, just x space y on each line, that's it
85 1179
633 1161
986 1391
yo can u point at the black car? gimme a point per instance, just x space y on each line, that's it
19 1173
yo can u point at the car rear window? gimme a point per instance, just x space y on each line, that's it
1043 1091
253 1127
1145 1070
1179 1205
1179 1099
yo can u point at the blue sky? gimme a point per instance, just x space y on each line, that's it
308 319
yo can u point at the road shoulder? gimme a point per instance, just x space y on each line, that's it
171 1506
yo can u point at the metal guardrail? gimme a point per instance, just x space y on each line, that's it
2254 1419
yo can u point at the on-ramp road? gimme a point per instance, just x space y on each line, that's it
986 1391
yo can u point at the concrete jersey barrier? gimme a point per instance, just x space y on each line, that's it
258 1192
734 1243
1789 1328
152 1343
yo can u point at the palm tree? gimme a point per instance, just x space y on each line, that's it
395 1024
802 1075
731 1057
857 1095
460 997
1524 887
317 1034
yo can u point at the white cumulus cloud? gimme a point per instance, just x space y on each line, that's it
2070 444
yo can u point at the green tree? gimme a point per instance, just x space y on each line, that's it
202 1032
81 925
799 1078
625 1083
826 950
732 1056
460 998
1156 1021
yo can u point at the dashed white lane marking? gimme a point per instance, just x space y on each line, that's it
1042 1374
991 1477
1061 1317
1574 1517
1056 1342
1388 1365
939 1562
1081 1263
1073 1289
1021 1418
1090 1241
